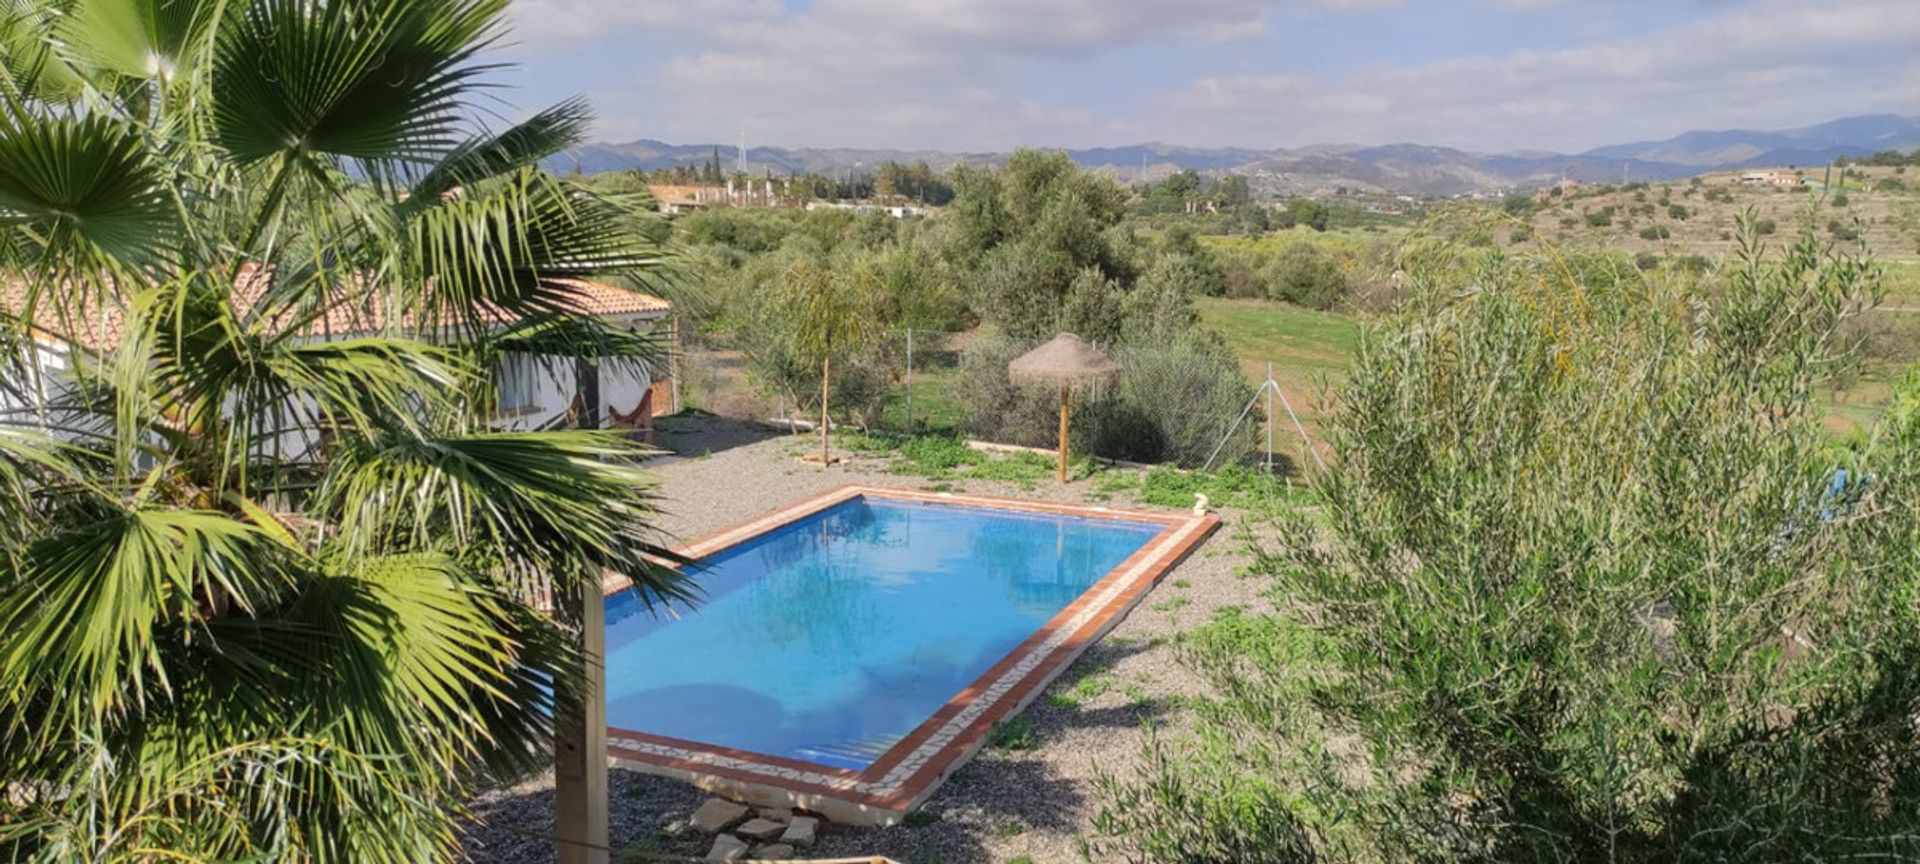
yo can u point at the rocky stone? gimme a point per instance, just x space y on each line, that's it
773 852
727 847
760 829
800 832
717 815
781 815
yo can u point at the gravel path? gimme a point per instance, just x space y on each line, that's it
1001 805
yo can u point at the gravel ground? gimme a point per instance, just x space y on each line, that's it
1001 805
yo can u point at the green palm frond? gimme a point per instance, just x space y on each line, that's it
269 800
522 146
562 338
85 191
267 376
83 608
30 70
500 248
515 494
146 39
376 80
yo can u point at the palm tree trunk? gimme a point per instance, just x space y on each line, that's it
826 386
580 719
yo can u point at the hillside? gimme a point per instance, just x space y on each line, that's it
1740 148
1644 218
1406 168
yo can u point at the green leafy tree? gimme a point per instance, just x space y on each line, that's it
1305 273
1233 190
1586 580
267 596
1308 212
1026 232
834 313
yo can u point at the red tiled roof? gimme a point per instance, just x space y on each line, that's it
101 325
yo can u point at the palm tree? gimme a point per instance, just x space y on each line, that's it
269 592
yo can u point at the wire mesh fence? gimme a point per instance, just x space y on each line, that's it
1180 405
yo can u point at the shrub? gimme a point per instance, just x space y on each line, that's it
1764 227
1677 211
1160 308
1655 232
1840 199
1889 184
1583 583
1599 218
1174 403
1842 231
995 409
1308 275
1646 261
1521 234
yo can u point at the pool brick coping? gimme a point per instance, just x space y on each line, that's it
914 766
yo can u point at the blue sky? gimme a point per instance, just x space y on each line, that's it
1490 75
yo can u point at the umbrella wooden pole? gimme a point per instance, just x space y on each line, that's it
1063 433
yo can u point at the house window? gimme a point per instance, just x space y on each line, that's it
517 385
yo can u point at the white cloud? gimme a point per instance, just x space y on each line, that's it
919 71
1749 66
542 21
958 74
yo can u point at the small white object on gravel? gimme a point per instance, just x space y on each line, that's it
773 852
717 815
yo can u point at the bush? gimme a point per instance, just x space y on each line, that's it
1764 227
1889 184
1174 403
1655 232
1306 274
995 409
1842 231
1646 261
1583 584
1841 200
1677 211
1601 218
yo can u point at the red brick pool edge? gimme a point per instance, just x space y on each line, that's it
914 767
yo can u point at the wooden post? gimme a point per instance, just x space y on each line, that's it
1063 432
580 723
580 744
826 387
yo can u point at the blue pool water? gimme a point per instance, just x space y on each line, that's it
831 637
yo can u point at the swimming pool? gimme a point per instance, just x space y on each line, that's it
840 639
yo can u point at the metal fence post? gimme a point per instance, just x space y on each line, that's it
1270 385
909 380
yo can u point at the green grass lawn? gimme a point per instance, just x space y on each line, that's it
1297 341
1903 283
1309 351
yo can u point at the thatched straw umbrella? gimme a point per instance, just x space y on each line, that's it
1066 362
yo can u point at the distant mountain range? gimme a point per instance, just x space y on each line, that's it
1413 169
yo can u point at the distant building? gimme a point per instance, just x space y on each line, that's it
1774 178
674 199
897 211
